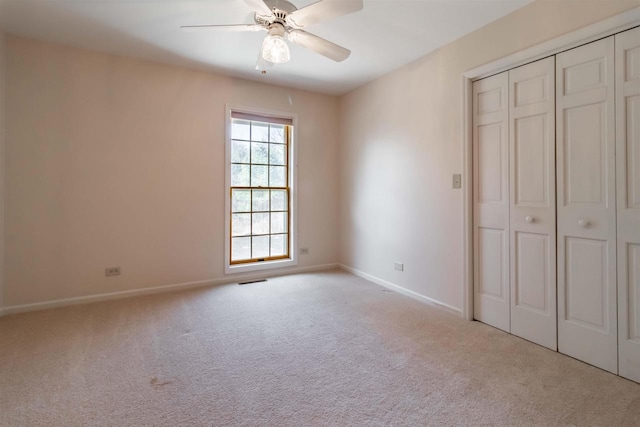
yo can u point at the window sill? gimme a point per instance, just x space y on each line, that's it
259 266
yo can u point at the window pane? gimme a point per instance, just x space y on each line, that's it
261 200
240 225
260 247
240 175
277 133
240 129
279 244
277 176
259 131
279 222
259 153
240 248
278 200
259 176
239 151
260 223
241 201
277 154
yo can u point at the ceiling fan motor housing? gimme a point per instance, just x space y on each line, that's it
281 6
280 9
280 15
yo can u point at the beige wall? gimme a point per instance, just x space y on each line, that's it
113 161
119 162
401 141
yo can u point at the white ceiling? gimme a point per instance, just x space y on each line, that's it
385 35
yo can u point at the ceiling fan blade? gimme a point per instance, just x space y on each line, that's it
322 11
319 45
259 7
237 27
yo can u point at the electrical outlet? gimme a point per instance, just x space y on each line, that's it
112 271
398 266
304 251
457 180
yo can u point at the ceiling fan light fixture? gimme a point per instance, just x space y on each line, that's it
275 49
280 17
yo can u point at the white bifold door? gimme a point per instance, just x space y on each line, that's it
532 213
514 202
586 185
628 196
491 200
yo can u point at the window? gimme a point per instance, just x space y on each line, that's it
259 177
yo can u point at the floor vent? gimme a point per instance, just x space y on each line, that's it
252 281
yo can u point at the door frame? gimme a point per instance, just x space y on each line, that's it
593 32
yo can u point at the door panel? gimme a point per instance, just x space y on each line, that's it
491 245
491 99
586 214
631 65
491 201
489 163
583 154
531 157
586 283
532 210
628 207
580 77
532 282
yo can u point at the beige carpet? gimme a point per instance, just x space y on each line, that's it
304 350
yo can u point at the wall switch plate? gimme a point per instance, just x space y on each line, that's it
398 266
304 251
457 180
112 271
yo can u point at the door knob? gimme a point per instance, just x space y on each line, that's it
529 219
583 223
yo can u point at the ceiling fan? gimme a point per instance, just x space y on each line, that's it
280 18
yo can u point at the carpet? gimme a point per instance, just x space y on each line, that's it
322 349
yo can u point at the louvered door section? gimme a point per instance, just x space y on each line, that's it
628 197
491 201
533 206
587 315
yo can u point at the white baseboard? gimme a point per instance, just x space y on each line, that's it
401 290
159 289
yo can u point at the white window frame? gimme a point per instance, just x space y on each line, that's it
293 196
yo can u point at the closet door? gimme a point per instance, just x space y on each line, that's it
628 196
587 319
491 201
533 204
